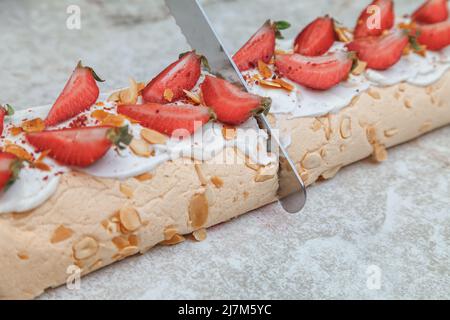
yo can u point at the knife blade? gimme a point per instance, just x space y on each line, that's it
201 36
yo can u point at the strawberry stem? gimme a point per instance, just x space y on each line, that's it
120 137
9 110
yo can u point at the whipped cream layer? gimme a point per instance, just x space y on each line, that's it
304 102
34 186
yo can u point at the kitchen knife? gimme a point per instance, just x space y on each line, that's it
196 27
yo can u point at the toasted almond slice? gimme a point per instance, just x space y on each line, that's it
43 155
141 148
379 153
176 239
195 98
170 232
114 120
15 131
266 173
270 84
391 132
153 137
284 84
130 219
200 235
360 67
114 97
374 94
35 125
19 152
100 115
129 251
61 234
120 242
217 181
229 133
126 190
85 248
41 166
168 94
344 35
264 69
144 177
198 211
130 95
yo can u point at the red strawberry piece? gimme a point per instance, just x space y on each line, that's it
375 19
5 111
261 45
231 105
167 118
10 167
434 36
380 53
181 75
80 92
80 146
432 11
319 73
317 38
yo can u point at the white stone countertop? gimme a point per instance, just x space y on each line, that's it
392 218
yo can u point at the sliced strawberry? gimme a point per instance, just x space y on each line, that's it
317 38
432 11
80 92
167 118
380 53
80 146
231 104
10 167
261 45
7 110
181 75
375 19
319 73
434 36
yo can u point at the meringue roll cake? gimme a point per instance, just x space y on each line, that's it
343 94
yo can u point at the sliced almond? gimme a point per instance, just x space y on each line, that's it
284 84
176 239
266 173
153 137
379 153
408 104
130 219
114 120
374 94
312 161
360 67
343 34
168 95
269 84
250 164
35 125
130 95
144 177
426 126
41 166
141 148
100 115
316 126
129 251
85 248
19 152
170 232
201 176
195 98
346 128
120 243
198 211
371 133
391 132
200 235
61 234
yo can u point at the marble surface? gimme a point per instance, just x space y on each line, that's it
388 222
